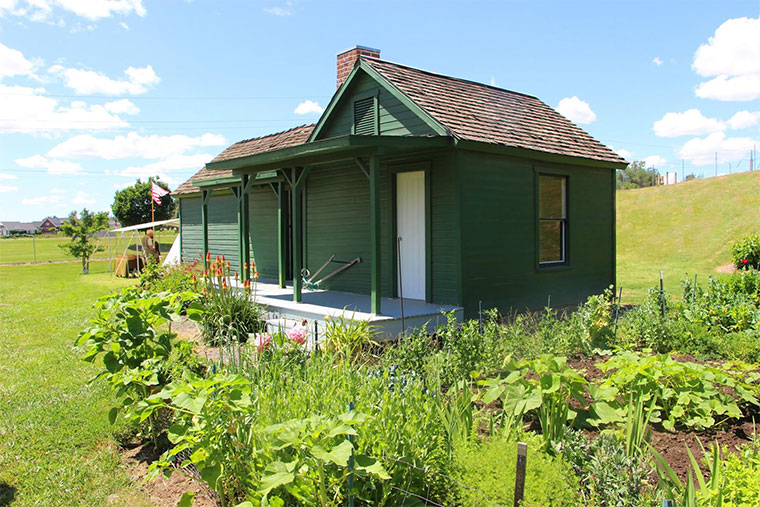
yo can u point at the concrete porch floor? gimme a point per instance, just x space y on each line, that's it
317 304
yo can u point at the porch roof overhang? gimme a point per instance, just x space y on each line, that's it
326 150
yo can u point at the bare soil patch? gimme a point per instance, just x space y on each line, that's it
163 492
726 268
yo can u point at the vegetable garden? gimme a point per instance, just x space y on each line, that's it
618 406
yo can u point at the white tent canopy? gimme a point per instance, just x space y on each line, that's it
147 225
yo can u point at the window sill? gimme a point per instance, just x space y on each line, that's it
552 267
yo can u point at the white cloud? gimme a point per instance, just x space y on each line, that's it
42 200
624 153
125 106
83 198
308 107
279 11
58 191
132 145
26 110
493 81
654 161
6 176
52 166
13 63
41 10
124 25
174 163
6 188
90 82
657 61
576 110
702 150
731 57
689 123
744 119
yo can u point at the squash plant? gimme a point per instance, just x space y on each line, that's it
544 386
300 460
132 336
682 394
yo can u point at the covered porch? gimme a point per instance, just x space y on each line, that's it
398 317
285 174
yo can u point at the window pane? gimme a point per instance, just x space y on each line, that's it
551 196
550 239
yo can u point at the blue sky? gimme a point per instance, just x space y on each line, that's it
95 93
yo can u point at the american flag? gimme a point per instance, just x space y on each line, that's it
157 192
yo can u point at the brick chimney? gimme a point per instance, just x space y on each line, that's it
347 59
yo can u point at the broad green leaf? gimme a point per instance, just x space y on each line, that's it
111 362
210 475
276 474
112 414
338 455
190 403
187 499
176 432
371 466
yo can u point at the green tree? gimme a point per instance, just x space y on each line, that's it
131 205
636 175
80 229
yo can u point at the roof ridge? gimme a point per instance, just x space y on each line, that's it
445 76
275 134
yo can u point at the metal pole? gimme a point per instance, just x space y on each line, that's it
662 295
401 287
522 459
351 464
617 311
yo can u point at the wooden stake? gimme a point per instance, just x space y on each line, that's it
522 460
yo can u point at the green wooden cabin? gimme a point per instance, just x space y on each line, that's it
496 197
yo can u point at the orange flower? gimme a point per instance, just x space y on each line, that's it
236 275
228 264
245 266
194 279
256 275
222 257
208 256
217 258
205 291
224 283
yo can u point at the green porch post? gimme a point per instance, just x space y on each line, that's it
205 194
374 222
297 220
246 229
243 227
282 224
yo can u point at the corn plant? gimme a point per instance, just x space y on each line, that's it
346 337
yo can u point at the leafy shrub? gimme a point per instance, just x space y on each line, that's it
726 306
741 473
467 349
687 394
607 475
486 472
645 326
745 253
173 278
544 386
411 353
132 335
234 443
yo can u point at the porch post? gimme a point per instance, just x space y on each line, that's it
243 228
374 221
204 221
297 217
282 225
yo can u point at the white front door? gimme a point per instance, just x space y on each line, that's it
410 227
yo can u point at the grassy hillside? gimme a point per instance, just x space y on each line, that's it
683 229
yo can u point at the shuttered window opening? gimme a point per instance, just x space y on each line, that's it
364 117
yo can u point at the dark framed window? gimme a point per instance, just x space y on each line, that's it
552 219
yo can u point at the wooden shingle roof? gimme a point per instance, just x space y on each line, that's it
479 112
292 137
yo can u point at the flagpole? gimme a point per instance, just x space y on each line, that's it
152 212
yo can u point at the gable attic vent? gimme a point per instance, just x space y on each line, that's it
364 117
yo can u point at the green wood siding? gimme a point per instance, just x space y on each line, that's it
223 228
337 222
395 118
499 234
444 246
262 203
192 229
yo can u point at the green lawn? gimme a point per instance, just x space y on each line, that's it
683 229
56 445
16 250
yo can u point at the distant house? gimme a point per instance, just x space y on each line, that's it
450 192
21 227
51 225
3 229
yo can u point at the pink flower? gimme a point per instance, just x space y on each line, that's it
298 335
262 342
